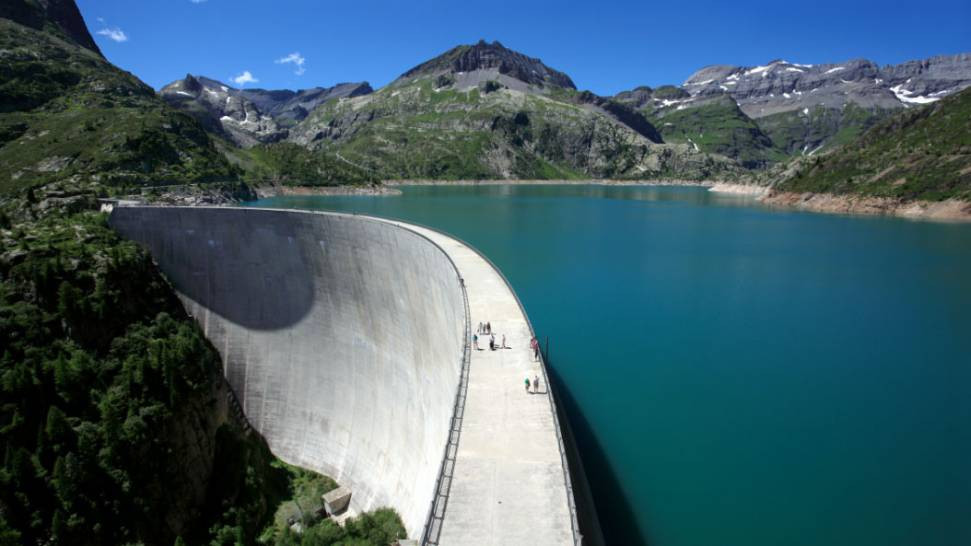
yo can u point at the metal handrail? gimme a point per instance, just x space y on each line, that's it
432 532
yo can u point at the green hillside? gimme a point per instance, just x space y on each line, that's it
66 114
426 128
719 126
800 132
921 153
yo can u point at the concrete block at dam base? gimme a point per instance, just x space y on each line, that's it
337 500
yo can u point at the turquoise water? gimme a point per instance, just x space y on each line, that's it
736 375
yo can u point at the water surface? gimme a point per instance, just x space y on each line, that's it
737 375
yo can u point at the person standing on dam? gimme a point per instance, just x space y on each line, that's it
527 385
475 341
534 344
535 384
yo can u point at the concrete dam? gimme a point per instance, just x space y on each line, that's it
346 340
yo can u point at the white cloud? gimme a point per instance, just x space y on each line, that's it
245 78
115 34
297 60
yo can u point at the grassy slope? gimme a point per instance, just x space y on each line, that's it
797 133
719 126
418 131
921 153
67 114
289 164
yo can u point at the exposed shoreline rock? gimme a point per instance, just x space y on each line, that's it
951 210
262 192
541 182
739 189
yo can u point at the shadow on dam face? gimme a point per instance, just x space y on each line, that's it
222 264
341 336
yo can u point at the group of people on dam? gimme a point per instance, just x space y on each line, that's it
486 329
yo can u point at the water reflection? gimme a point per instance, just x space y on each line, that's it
694 195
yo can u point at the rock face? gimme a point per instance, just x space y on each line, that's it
792 109
61 16
251 116
494 58
781 86
931 78
67 114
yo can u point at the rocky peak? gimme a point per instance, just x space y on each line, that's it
61 17
493 57
781 86
251 116
932 78
191 84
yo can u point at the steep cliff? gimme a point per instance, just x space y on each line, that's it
68 115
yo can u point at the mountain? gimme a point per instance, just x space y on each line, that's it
58 17
471 64
251 116
484 111
780 86
800 108
67 115
918 154
714 124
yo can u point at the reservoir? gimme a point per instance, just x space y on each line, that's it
736 375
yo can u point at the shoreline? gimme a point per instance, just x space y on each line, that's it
739 189
951 210
263 192
591 182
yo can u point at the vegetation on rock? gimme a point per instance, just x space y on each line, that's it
922 153
115 426
719 126
801 132
67 114
416 130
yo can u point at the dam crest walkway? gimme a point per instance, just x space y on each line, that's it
509 483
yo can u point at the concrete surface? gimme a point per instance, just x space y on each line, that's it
336 501
509 485
343 337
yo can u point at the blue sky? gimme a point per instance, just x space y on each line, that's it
605 46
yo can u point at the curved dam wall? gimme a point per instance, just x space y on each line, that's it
341 336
